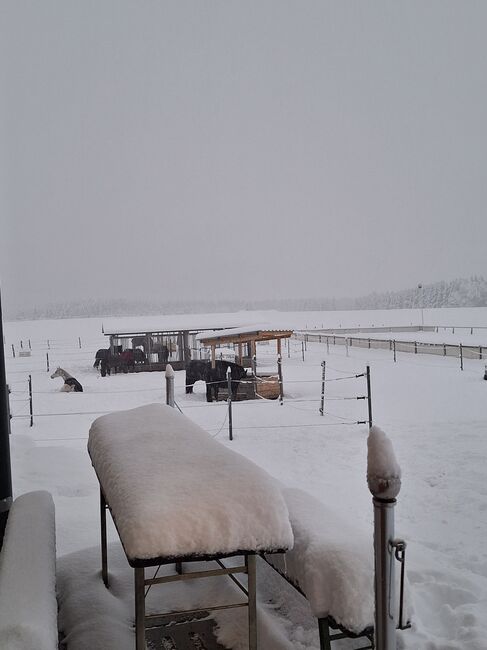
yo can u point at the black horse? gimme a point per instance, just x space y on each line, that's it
215 378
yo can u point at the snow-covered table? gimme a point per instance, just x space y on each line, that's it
177 495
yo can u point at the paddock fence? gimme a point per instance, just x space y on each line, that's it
459 351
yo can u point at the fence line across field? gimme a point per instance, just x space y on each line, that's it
459 351
228 404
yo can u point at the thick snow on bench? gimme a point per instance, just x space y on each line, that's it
28 608
174 491
331 562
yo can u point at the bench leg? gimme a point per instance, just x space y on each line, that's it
103 527
324 630
252 596
139 580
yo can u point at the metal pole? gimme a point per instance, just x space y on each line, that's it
30 346
252 600
327 346
323 371
48 345
369 397
30 402
139 597
79 341
302 349
281 384
346 346
461 357
394 347
170 385
384 484
5 467
47 361
13 351
229 402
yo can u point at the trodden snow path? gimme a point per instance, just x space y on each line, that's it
435 415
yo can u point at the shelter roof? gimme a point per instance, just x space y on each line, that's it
262 332
171 323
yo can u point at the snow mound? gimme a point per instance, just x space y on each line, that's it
174 491
28 608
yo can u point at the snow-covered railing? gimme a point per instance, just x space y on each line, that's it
28 607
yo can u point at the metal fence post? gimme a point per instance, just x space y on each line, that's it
79 342
170 385
461 357
323 372
47 361
13 351
394 347
369 397
229 401
302 349
384 484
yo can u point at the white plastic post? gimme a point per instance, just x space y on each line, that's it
170 385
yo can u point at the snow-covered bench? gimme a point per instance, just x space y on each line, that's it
332 565
176 495
28 607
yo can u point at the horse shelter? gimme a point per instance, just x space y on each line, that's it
244 341
161 343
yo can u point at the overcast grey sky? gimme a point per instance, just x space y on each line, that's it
240 149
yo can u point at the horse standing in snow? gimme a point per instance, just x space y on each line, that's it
71 385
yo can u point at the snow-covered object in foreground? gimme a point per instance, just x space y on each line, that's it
28 608
383 471
331 562
174 491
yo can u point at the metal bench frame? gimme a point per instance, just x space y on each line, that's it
329 630
143 621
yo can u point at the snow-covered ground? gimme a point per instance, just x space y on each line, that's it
435 415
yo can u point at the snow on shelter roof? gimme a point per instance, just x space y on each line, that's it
258 332
172 323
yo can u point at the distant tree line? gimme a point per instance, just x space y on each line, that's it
462 292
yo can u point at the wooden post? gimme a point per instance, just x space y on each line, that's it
30 402
444 349
480 352
322 404
415 347
281 386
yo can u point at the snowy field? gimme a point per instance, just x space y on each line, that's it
435 415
